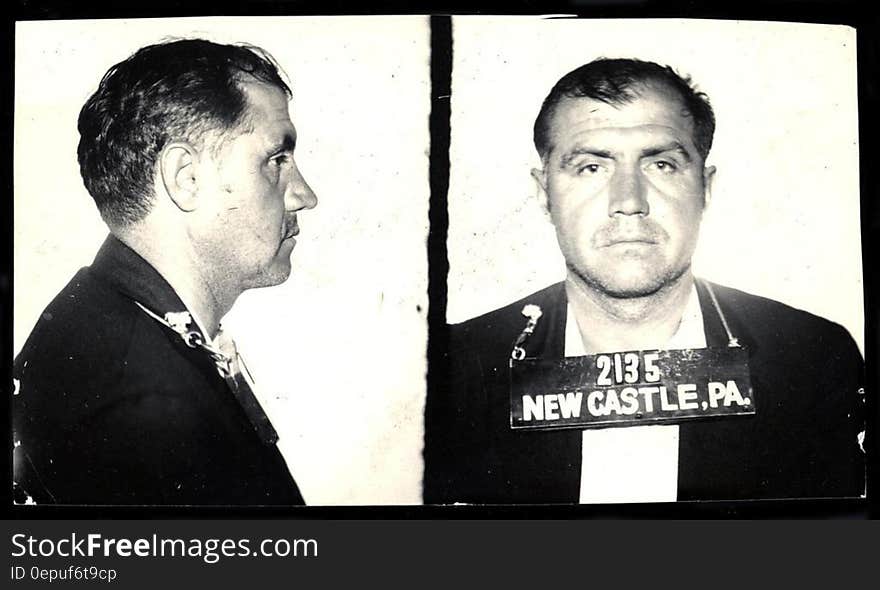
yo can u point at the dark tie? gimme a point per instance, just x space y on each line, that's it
234 371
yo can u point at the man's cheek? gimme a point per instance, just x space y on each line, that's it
578 239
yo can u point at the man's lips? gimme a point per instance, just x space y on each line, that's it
291 232
625 233
628 241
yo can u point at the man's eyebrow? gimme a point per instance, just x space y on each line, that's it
574 153
670 147
287 144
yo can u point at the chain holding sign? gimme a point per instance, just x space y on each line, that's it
630 388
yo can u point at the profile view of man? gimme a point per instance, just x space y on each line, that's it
128 391
623 145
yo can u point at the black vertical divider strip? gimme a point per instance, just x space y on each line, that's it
868 51
438 215
6 214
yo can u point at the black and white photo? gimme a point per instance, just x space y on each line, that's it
211 152
221 261
670 307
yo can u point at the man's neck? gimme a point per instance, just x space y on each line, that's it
637 323
204 297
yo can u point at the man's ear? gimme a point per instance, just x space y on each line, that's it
177 167
540 176
708 179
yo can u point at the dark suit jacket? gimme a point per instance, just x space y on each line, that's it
806 375
114 408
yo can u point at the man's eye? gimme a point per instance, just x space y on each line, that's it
588 169
665 166
279 160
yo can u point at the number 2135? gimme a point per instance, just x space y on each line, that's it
623 367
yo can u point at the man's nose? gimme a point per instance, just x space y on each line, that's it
299 194
627 194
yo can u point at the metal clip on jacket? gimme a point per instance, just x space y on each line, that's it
533 312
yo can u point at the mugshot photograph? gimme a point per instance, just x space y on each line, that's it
669 308
193 356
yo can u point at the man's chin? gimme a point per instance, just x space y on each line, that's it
630 283
635 290
279 275
275 275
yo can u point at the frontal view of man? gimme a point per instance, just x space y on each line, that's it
623 145
128 391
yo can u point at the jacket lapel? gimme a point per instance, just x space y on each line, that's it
711 452
125 270
556 459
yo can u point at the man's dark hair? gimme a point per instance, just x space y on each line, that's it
176 90
619 81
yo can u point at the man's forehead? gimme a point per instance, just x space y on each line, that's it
268 114
265 126
651 110
265 99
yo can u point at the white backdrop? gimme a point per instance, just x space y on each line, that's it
338 351
784 216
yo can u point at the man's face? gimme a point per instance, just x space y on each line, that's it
254 190
626 189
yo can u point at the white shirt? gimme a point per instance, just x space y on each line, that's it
636 463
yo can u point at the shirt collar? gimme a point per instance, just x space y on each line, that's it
198 322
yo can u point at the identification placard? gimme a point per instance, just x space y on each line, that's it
630 388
